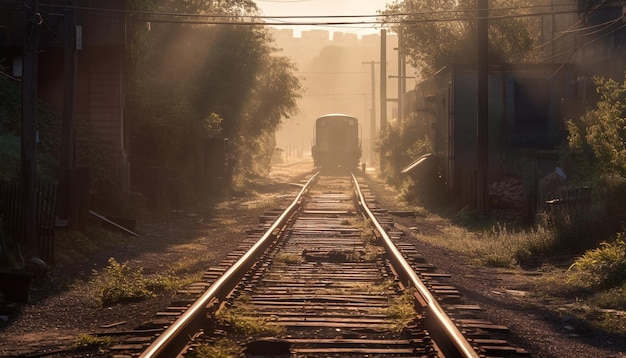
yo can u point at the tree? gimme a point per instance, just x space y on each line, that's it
596 142
597 154
435 34
194 82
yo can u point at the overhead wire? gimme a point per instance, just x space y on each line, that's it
380 19
572 26
175 17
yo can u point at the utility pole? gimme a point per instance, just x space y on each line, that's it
373 109
401 76
383 85
32 21
67 162
482 112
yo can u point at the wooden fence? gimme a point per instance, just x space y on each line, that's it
568 210
11 216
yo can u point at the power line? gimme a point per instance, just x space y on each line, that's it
262 20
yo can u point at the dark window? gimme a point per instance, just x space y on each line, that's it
532 104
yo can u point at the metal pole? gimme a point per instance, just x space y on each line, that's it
32 21
400 75
372 110
66 170
383 85
482 112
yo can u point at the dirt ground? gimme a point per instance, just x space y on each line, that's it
61 306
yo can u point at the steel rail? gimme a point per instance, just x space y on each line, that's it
160 345
452 332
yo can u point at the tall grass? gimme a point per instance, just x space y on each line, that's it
603 267
497 246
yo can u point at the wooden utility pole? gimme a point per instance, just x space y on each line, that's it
67 162
373 109
32 21
401 77
482 112
383 85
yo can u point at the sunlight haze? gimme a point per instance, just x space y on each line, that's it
323 8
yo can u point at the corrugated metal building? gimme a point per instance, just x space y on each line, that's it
526 114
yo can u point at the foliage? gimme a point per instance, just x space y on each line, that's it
87 341
597 154
438 33
401 144
605 266
497 245
242 321
119 283
401 309
223 348
230 83
614 297
596 141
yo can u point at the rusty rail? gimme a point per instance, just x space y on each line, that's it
170 343
166 344
455 339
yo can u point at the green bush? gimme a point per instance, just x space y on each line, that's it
605 266
401 144
596 152
597 140
120 284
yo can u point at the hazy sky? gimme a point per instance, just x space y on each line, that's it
325 7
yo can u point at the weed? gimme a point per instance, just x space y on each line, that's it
120 283
242 321
88 342
614 298
287 258
402 310
367 232
605 266
223 348
497 246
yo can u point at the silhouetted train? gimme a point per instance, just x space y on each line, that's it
337 142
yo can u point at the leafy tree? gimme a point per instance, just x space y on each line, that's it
435 34
597 154
194 82
596 141
400 145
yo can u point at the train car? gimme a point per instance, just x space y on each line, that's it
337 142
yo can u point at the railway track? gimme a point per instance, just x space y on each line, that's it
327 277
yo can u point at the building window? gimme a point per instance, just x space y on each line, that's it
532 104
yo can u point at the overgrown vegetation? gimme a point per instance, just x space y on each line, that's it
402 309
231 83
402 143
603 267
596 151
497 246
120 283
90 342
242 321
431 45
223 348
595 157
